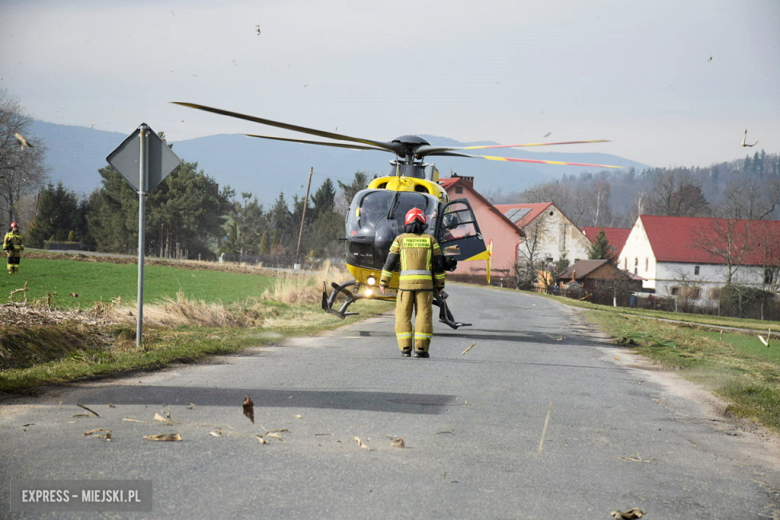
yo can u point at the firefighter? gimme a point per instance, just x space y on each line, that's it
422 272
12 244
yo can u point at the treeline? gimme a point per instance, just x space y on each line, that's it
744 188
188 216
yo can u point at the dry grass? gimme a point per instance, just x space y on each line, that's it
294 288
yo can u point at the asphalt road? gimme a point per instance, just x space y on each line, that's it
537 420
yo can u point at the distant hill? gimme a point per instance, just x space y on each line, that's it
267 167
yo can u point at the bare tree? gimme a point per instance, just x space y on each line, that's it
528 261
22 171
731 241
675 195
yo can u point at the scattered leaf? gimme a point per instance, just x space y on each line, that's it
173 437
262 441
297 416
96 430
107 436
28 424
634 457
158 417
360 443
470 347
316 434
88 409
631 514
131 420
168 415
81 415
398 443
275 436
111 405
280 430
249 409
617 358
191 407
216 433
452 431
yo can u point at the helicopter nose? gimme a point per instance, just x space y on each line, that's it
383 238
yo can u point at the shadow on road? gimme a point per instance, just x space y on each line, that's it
331 399
514 336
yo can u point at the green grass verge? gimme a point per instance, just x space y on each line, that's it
162 347
735 366
104 281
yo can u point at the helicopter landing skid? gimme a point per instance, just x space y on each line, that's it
329 301
445 316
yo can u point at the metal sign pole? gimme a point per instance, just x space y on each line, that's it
143 166
296 265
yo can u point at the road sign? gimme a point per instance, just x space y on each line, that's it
144 160
126 159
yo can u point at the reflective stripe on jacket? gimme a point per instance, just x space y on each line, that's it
417 254
13 241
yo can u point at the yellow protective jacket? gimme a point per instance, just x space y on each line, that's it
420 261
13 242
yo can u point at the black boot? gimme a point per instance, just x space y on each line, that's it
406 353
421 354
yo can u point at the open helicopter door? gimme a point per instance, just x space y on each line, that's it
460 239
458 234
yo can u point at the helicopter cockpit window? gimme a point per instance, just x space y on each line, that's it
371 207
458 222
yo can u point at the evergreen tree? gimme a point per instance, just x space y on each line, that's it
600 249
265 245
58 215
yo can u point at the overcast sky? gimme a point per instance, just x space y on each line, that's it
635 72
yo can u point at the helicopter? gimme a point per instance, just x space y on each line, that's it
376 213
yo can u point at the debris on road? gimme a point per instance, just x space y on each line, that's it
249 409
81 415
96 430
360 444
105 435
216 433
88 409
398 443
260 438
128 419
634 457
452 431
470 347
631 514
191 407
298 416
158 417
111 405
163 437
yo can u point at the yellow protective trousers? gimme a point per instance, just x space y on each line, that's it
419 302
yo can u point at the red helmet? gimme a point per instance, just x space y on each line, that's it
415 214
14 225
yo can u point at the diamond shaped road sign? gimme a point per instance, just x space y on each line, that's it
126 159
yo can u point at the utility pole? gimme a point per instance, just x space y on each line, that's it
297 265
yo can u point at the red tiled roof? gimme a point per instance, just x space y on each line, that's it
536 209
692 239
450 182
615 236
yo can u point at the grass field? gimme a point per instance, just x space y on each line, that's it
104 281
191 313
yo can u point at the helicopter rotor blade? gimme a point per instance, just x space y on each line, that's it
321 143
390 147
534 161
428 150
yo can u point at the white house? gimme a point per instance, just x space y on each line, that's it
694 257
549 234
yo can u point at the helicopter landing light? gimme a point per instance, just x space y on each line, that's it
369 292
371 280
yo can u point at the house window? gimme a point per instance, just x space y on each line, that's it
675 291
715 294
692 293
552 214
769 276
458 189
696 270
